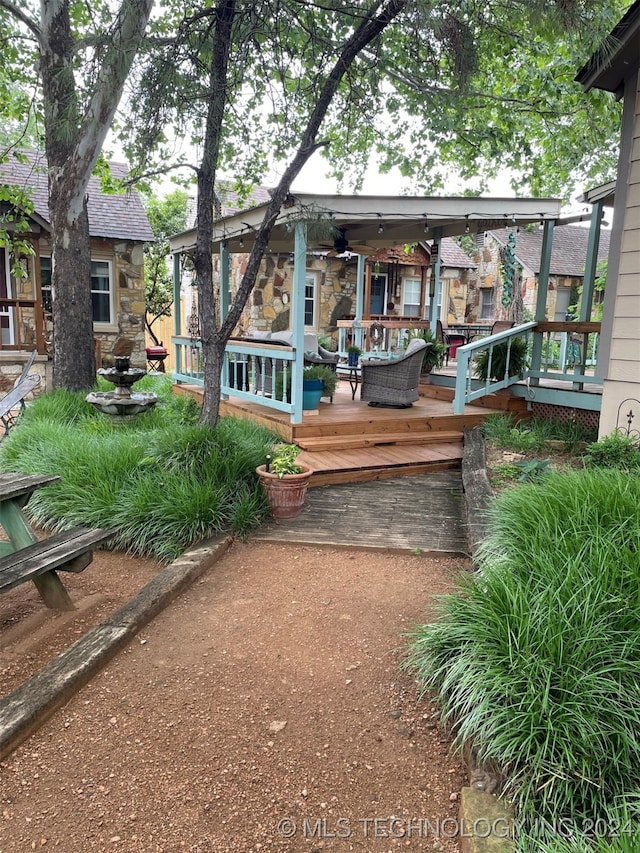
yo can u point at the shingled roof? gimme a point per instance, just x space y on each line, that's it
569 251
451 255
115 216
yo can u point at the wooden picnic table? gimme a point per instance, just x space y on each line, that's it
23 557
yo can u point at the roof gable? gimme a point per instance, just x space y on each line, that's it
617 57
568 253
451 255
113 216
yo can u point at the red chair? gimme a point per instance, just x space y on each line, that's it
451 340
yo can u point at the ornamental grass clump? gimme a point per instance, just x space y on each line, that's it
162 481
536 657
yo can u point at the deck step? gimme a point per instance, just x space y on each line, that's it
358 464
345 442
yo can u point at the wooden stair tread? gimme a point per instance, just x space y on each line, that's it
340 442
361 464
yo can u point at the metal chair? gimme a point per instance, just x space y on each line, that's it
451 340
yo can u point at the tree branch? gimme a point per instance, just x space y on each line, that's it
21 16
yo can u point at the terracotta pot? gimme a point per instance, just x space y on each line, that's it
285 495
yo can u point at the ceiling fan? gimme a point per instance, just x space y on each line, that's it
341 246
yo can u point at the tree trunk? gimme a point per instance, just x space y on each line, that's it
214 335
74 135
74 365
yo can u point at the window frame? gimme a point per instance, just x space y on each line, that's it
47 288
311 282
413 280
482 307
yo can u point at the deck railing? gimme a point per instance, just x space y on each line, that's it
394 334
260 373
560 352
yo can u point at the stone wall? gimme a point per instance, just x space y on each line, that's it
125 335
269 306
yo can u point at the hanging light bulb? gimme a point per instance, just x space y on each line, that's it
467 227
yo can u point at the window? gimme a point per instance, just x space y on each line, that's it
487 303
45 284
101 291
310 300
411 297
100 288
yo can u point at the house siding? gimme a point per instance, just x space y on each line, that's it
621 386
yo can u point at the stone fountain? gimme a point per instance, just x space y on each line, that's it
122 403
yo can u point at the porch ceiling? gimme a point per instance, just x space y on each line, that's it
378 221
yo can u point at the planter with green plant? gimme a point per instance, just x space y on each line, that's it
284 481
491 363
433 355
353 354
318 381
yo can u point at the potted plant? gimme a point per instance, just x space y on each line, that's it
433 355
353 354
318 380
517 360
284 481
320 373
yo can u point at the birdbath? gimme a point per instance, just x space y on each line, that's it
122 403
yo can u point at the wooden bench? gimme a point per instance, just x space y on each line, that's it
24 558
68 551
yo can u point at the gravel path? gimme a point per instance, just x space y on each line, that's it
263 710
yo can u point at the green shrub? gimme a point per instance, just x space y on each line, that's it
536 657
613 451
532 434
491 363
162 480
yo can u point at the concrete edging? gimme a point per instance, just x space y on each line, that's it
25 709
486 821
477 490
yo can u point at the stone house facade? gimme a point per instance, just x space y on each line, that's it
119 228
568 256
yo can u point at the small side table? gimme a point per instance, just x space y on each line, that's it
355 377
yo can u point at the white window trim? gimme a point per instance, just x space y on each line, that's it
414 280
110 324
312 275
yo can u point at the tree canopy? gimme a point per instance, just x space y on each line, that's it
475 88
481 87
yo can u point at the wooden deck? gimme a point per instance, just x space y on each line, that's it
348 441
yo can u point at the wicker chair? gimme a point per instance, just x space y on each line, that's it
394 382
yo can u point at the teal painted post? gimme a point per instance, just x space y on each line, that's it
462 357
299 277
591 262
225 293
435 304
225 298
588 283
358 330
177 310
541 297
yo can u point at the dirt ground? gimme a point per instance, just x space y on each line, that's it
262 710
